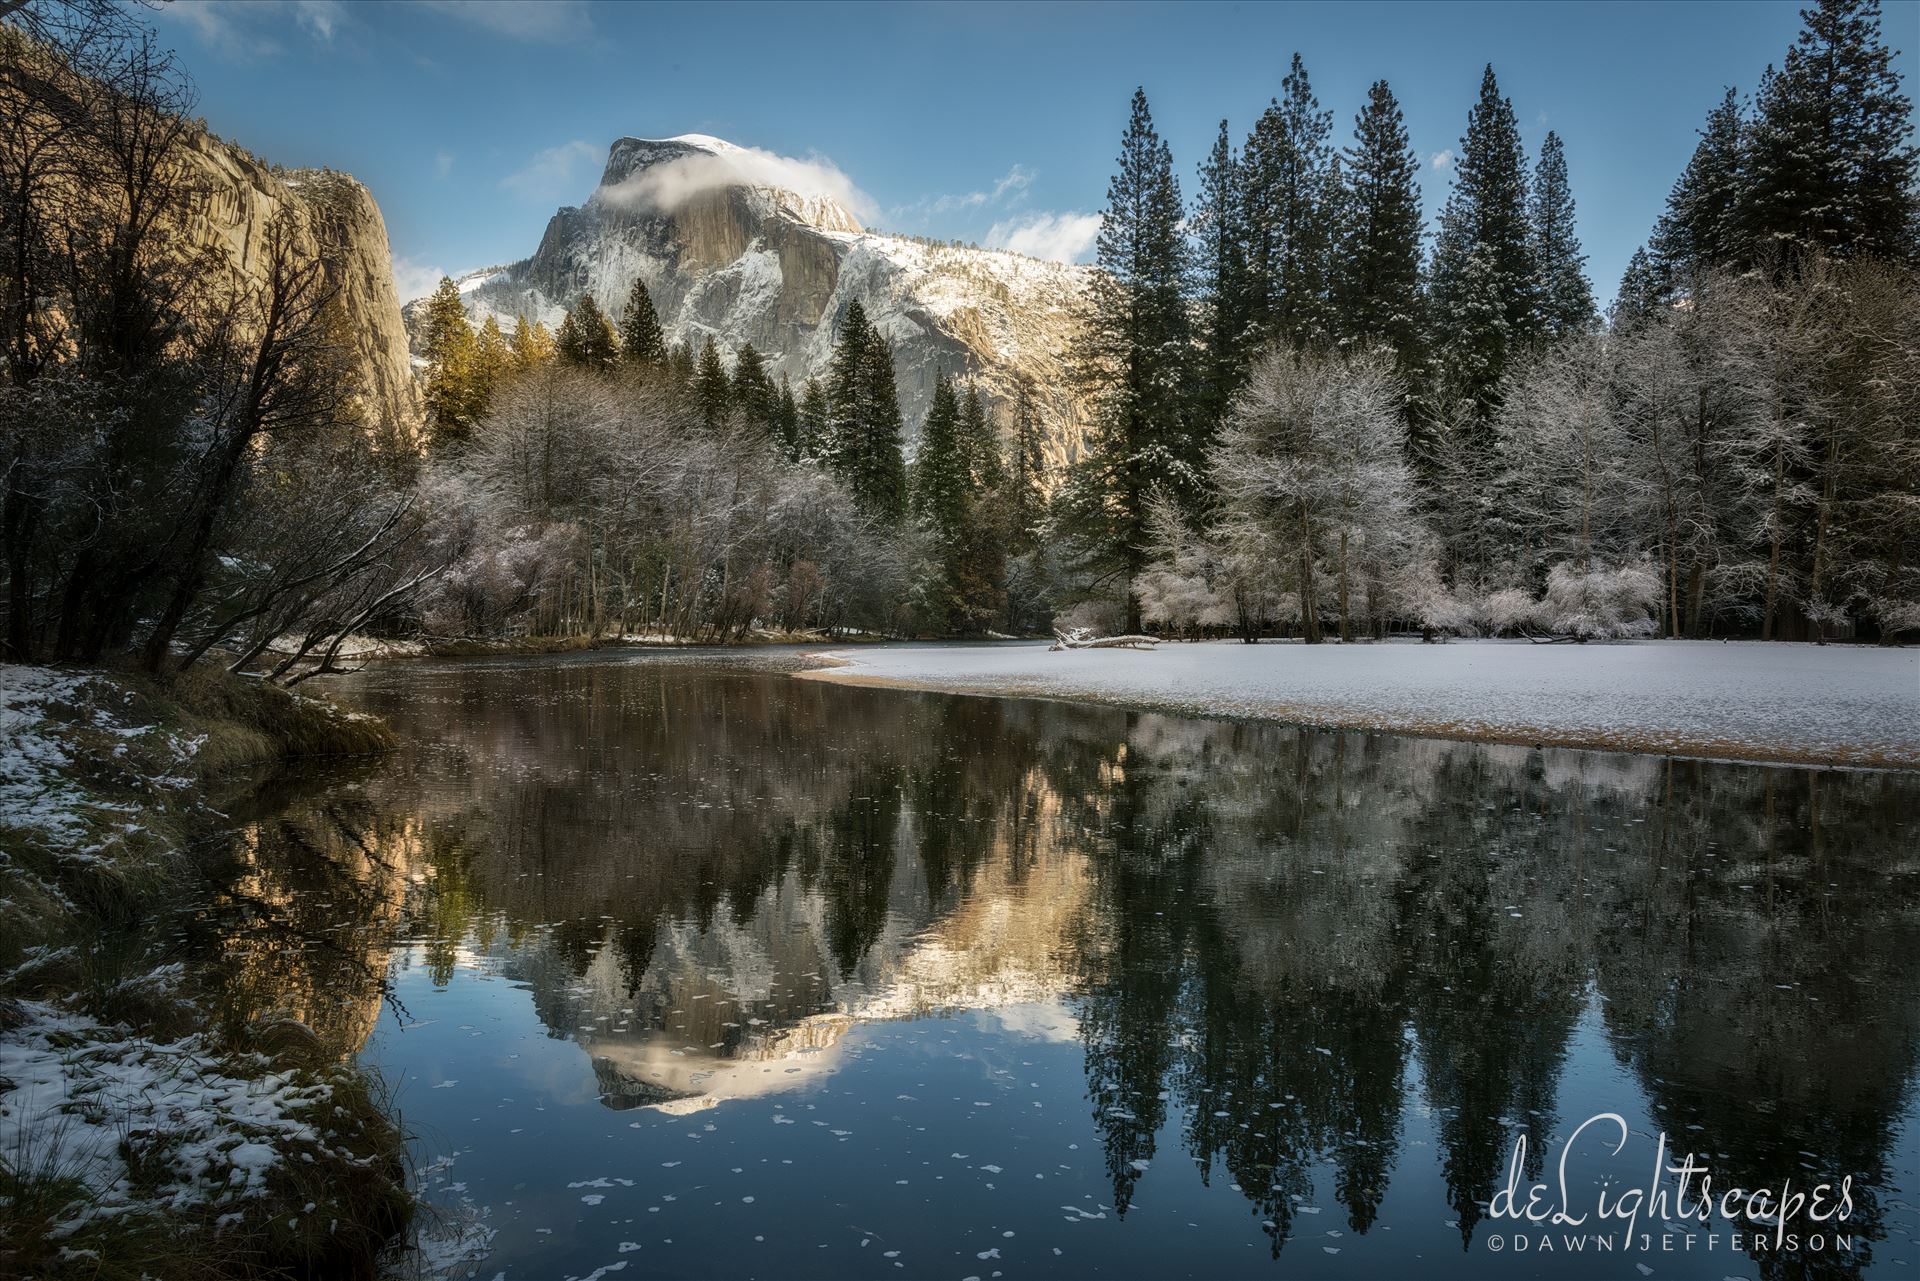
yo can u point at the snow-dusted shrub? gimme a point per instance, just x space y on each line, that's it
1600 603
1419 594
1508 611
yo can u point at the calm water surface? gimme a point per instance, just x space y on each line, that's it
689 969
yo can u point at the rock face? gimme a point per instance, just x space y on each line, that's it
726 253
237 197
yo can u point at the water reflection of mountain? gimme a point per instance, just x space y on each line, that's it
1268 937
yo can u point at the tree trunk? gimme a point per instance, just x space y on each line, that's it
1345 635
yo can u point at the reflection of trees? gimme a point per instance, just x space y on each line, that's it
1270 935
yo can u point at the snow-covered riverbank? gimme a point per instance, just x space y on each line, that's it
1841 705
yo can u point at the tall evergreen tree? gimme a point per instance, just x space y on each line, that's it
1219 227
879 470
941 474
1700 227
753 393
1288 169
978 443
1566 299
532 344
712 389
492 360
814 441
1135 360
1640 293
1483 301
1379 278
450 352
642 343
1026 472
1829 167
586 336
843 387
787 421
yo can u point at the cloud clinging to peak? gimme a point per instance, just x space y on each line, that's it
666 186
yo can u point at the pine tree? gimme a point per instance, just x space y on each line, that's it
942 481
753 393
1640 293
450 352
815 438
586 336
642 343
1829 167
979 447
879 470
680 367
787 421
1288 170
712 389
1700 228
1566 299
1483 302
843 388
1026 472
1218 223
532 344
493 359
1379 259
1135 360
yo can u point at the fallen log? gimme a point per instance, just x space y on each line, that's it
1080 638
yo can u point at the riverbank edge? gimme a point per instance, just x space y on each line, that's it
837 670
145 1128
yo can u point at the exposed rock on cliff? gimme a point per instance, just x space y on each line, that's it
341 225
725 252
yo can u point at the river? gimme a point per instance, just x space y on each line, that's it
675 965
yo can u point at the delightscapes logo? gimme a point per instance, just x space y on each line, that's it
1678 1208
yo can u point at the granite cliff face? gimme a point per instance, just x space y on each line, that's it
236 198
727 253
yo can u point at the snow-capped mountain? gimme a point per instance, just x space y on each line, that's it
729 249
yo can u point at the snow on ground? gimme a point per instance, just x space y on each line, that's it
1744 700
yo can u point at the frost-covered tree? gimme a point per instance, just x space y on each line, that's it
815 440
1566 298
1562 462
1026 471
1311 464
752 393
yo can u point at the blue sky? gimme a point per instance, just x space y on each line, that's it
472 122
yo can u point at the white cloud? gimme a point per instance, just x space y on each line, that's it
247 32
1442 159
549 21
1062 237
321 17
415 279
442 164
227 27
551 173
667 186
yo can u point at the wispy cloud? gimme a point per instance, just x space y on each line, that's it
1442 159
666 186
548 21
442 164
1008 189
1062 237
249 32
415 279
552 173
